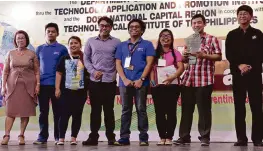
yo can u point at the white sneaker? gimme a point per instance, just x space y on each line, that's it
60 143
73 143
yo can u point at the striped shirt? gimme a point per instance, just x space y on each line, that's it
202 73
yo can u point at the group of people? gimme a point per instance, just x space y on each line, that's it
64 77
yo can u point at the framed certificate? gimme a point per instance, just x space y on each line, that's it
163 72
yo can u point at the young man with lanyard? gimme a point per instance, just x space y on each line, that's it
49 55
198 83
134 59
244 52
100 62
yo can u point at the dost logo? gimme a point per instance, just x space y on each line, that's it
227 79
56 53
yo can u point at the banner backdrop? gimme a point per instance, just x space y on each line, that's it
80 18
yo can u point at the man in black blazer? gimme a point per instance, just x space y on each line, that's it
244 51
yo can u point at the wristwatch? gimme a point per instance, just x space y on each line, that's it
143 79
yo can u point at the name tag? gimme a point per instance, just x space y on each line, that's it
127 62
161 62
181 49
192 60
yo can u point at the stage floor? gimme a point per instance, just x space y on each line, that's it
133 147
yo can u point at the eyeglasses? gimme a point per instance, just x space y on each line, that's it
243 14
165 36
104 25
136 27
22 38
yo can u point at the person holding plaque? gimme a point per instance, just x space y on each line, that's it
99 60
244 52
202 52
134 59
71 86
166 92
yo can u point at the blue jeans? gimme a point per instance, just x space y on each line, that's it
140 95
46 94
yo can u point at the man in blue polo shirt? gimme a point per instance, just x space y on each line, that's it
48 54
134 59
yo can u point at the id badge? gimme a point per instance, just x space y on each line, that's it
181 49
161 63
192 60
127 62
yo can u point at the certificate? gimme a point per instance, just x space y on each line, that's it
163 72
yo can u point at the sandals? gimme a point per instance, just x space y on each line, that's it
165 142
71 143
168 142
5 140
161 143
21 140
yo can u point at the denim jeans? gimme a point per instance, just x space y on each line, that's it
140 95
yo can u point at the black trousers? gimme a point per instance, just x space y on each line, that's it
46 94
250 83
165 104
102 95
202 97
71 105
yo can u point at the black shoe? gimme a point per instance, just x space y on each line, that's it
113 142
182 141
144 143
204 141
258 143
90 142
124 141
240 143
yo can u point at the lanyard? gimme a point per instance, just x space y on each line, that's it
74 63
132 49
72 59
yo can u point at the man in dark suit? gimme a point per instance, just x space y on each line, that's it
244 51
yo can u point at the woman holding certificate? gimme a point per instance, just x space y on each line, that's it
165 86
71 86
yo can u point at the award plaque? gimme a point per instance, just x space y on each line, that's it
193 43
